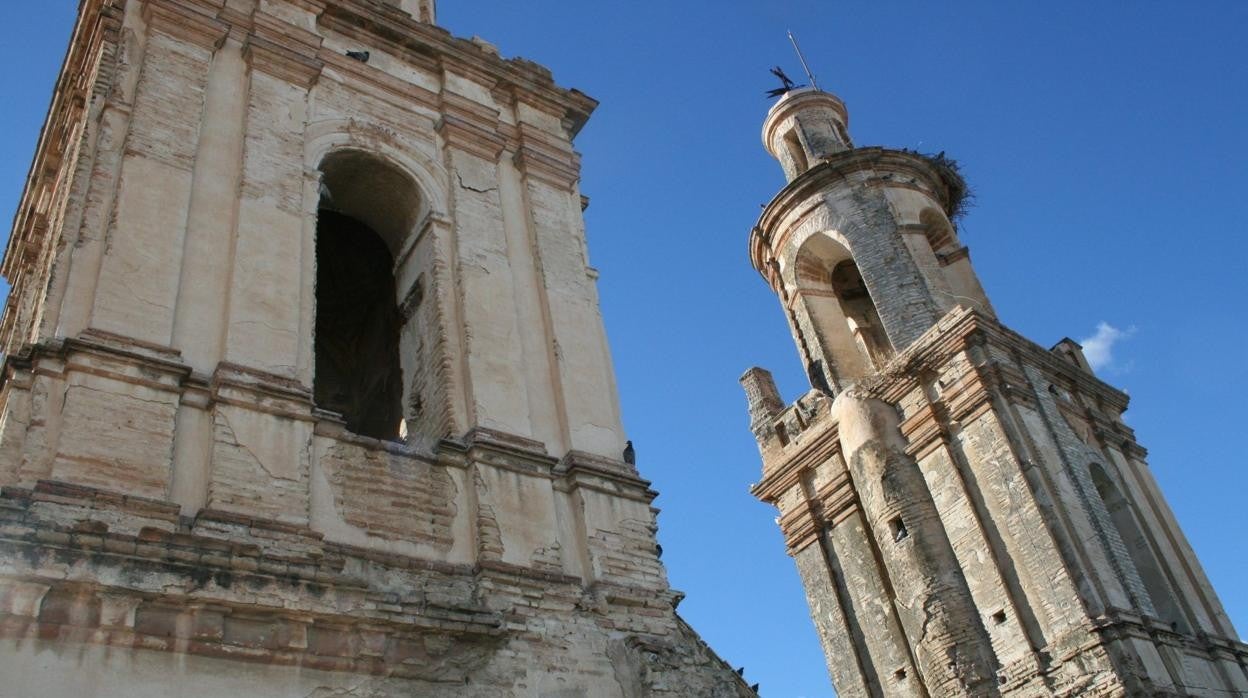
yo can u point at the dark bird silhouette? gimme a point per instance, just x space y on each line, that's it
786 83
361 56
741 671
754 688
658 550
630 454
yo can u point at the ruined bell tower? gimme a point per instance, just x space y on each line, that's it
967 510
305 387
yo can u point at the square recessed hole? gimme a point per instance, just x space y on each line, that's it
900 674
999 617
898 528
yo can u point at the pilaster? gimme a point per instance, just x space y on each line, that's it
138 280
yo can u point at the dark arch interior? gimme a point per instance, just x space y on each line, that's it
357 327
860 310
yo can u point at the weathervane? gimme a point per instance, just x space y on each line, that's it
786 84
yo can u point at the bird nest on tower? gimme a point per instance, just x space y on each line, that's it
961 197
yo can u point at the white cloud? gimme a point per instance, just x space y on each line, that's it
1099 348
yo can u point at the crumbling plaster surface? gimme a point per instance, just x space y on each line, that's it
994 443
177 511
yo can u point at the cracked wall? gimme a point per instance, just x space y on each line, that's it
160 433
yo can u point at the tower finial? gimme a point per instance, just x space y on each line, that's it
809 75
786 85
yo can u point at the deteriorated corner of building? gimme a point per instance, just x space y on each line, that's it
305 389
968 512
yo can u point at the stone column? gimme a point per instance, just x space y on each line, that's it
138 280
490 333
264 329
938 615
584 378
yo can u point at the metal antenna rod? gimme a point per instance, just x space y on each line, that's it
809 75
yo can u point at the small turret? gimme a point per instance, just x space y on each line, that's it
859 245
804 128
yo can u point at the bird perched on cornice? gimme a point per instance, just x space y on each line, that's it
630 454
361 56
786 83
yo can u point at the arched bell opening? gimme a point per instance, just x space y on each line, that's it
366 211
957 283
836 316
860 313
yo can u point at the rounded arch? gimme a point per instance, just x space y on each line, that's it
938 230
391 190
368 188
835 313
419 162
825 244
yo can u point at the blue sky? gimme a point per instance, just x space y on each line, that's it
1107 145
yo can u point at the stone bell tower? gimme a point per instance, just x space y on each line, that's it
968 512
305 387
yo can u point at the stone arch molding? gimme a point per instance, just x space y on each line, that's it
796 242
416 160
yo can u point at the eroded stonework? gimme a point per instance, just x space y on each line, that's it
213 476
968 511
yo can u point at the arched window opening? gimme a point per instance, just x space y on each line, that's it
1119 508
367 210
835 321
860 312
357 327
938 231
796 152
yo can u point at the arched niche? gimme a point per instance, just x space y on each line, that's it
1139 548
939 232
835 311
950 263
368 209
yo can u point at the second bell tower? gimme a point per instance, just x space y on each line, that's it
967 510
851 311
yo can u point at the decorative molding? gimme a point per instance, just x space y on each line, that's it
396 92
547 158
283 50
189 20
418 42
579 469
470 126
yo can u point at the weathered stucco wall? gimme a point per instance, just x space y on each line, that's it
970 516
178 509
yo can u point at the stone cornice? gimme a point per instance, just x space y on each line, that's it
800 526
969 396
544 158
283 50
818 442
470 126
395 91
189 20
962 328
607 476
890 167
461 56
98 23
